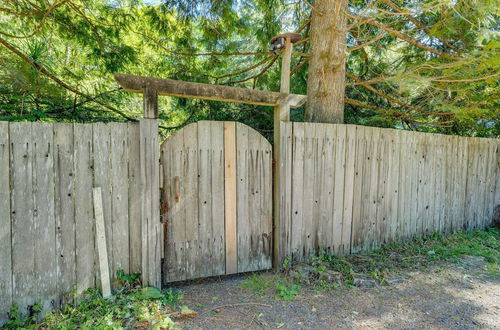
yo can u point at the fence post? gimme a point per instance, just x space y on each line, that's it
151 237
281 113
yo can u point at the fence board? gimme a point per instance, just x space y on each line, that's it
174 201
338 196
119 198
84 224
134 198
243 192
205 234
64 210
357 223
45 269
191 198
297 192
101 140
5 224
22 215
348 189
217 192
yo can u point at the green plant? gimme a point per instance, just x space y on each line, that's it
286 263
256 283
287 292
17 320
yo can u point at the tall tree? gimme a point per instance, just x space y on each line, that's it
326 75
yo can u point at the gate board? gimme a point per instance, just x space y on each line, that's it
216 201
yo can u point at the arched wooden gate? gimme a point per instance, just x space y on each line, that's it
216 201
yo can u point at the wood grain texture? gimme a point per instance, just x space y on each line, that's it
101 241
5 224
119 198
392 185
84 215
22 216
230 199
45 269
64 179
134 198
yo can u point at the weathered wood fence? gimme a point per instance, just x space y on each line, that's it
47 227
348 188
342 188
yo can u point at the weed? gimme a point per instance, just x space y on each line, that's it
398 256
256 283
128 307
287 292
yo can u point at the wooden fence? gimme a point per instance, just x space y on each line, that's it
47 229
348 188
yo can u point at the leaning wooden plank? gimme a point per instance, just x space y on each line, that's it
84 224
101 243
350 156
137 84
317 177
230 197
205 235
134 198
217 192
64 210
119 198
383 160
102 178
5 224
22 216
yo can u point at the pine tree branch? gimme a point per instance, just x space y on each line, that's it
398 10
40 25
58 81
404 37
391 99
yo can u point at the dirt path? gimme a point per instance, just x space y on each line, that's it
444 297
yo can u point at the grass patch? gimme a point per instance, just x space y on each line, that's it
129 307
419 253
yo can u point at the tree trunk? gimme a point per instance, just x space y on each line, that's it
326 76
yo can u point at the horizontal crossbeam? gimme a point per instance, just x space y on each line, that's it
179 88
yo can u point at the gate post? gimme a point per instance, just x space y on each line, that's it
149 159
281 113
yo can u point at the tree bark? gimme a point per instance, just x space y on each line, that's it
326 76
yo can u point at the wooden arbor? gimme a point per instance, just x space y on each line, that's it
281 102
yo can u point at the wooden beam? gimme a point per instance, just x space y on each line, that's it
178 88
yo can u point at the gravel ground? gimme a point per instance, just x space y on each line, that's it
445 296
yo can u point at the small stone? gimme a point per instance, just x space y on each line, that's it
394 281
331 276
364 282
